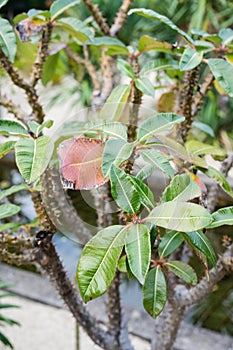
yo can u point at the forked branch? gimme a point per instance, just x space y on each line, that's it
224 266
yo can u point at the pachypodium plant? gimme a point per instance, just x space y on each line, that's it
146 239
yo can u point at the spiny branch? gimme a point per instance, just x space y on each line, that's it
59 209
213 193
120 17
50 262
89 66
199 98
17 259
98 99
187 100
98 16
44 220
16 242
12 108
166 327
205 286
19 81
114 310
43 52
136 100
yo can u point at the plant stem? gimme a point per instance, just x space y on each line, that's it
107 65
167 325
43 52
98 16
50 262
88 64
59 208
213 193
114 310
120 17
19 81
13 109
187 100
224 266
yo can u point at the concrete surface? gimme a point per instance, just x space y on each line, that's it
47 325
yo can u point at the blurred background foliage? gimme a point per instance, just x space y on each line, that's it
206 15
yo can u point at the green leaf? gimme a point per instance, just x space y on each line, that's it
154 292
60 6
226 34
158 124
5 340
154 15
123 191
219 177
170 146
97 265
158 64
199 148
38 14
170 242
76 28
116 102
147 43
125 68
122 264
144 85
223 216
3 3
7 39
138 250
36 128
109 128
10 226
116 151
158 160
50 67
181 188
145 172
111 43
10 127
213 38
204 127
8 320
180 216
33 156
7 210
202 243
12 189
167 145
6 148
190 59
145 194
153 233
13 226
203 46
223 72
129 272
183 271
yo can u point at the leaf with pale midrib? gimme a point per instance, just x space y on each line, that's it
138 250
154 292
97 265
